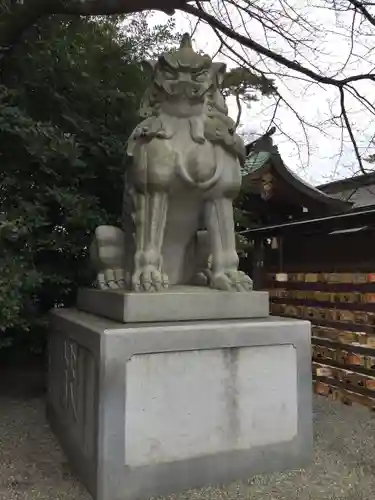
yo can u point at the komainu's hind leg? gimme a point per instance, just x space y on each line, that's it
151 216
202 260
220 224
107 257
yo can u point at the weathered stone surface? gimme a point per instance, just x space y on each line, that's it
174 304
149 409
185 173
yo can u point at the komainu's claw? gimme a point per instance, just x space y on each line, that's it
112 279
149 279
232 280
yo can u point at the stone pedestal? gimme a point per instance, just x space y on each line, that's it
179 303
146 409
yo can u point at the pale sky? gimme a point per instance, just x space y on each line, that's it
327 157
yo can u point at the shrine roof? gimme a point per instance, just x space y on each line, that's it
265 167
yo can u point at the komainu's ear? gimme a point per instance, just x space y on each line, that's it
148 65
219 70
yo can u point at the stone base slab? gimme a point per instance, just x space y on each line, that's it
176 304
148 410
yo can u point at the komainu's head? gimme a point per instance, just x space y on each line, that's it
181 81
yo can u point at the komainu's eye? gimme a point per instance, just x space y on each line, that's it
201 76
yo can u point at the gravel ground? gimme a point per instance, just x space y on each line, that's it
32 466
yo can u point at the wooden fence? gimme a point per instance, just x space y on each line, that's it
341 307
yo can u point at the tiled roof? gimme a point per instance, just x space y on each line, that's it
256 160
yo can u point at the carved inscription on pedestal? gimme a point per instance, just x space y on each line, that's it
70 385
72 389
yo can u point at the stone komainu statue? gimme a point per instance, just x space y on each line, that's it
178 223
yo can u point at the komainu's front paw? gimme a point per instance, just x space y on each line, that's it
149 279
231 281
111 279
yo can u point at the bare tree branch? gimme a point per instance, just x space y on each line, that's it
275 39
350 131
360 6
239 107
260 49
17 17
110 7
